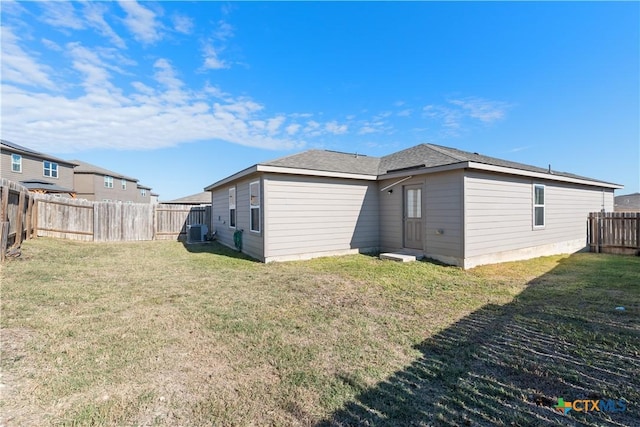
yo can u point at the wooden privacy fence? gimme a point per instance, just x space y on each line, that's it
24 214
17 219
614 232
114 222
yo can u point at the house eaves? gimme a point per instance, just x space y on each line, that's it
88 168
289 171
504 170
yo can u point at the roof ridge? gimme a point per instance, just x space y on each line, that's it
445 151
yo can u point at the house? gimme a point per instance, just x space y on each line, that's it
198 199
92 182
454 206
38 172
627 203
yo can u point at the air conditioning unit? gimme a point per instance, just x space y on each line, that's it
197 233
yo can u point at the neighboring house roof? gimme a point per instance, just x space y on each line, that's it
143 186
88 168
36 184
194 199
19 149
418 159
628 202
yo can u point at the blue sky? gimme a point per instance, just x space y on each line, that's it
182 94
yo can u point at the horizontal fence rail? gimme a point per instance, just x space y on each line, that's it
614 232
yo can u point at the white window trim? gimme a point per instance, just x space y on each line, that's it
543 206
235 202
143 192
19 162
51 169
123 183
252 207
108 181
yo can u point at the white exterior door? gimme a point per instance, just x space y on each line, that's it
413 231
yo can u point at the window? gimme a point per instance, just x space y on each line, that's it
232 207
108 181
50 169
538 206
123 182
16 163
414 203
143 192
254 205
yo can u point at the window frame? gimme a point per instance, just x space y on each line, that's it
253 207
123 183
536 206
16 159
143 192
108 181
52 169
232 208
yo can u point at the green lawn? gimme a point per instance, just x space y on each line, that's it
156 333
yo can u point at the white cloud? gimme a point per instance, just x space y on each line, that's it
292 129
18 67
334 128
182 24
405 113
224 31
61 14
274 124
141 22
94 14
211 60
481 109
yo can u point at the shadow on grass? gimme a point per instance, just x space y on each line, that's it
216 249
508 365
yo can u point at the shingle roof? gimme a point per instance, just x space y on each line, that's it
24 150
432 155
419 157
84 167
35 184
627 202
330 161
198 199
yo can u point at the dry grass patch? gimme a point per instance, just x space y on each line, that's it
156 333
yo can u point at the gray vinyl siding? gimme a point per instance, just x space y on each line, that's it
309 215
90 186
499 212
442 203
252 242
443 212
33 168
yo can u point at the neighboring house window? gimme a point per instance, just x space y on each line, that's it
143 192
124 184
538 206
16 163
108 181
50 169
254 205
232 207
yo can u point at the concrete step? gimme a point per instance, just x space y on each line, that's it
398 257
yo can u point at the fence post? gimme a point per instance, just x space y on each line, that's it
19 220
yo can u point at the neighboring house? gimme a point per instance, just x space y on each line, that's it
92 182
154 198
458 207
39 172
198 199
627 203
144 194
